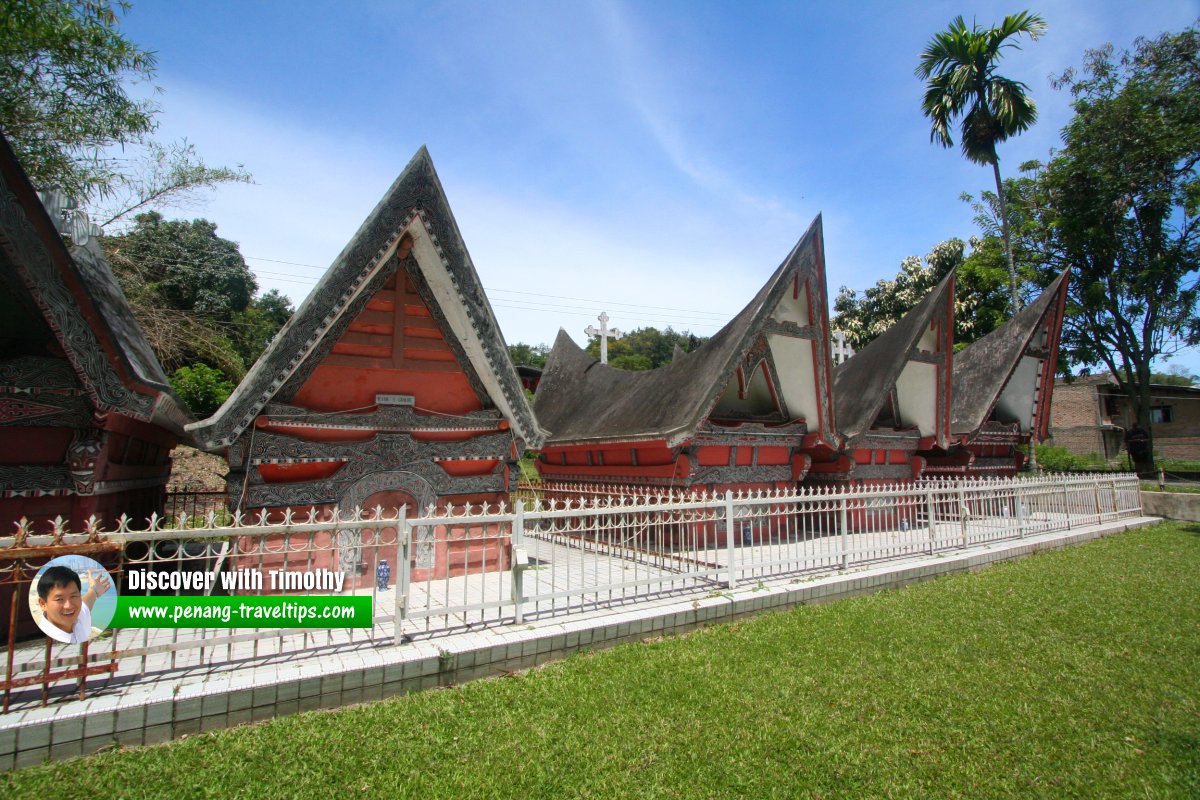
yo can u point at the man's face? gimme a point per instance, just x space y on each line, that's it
61 606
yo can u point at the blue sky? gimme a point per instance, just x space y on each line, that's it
654 160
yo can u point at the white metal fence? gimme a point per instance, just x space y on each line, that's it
556 551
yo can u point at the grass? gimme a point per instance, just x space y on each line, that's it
1069 674
1059 459
1175 488
1178 465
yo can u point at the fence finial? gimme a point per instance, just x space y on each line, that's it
92 527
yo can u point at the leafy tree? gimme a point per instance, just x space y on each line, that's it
64 68
979 303
186 263
633 362
529 355
258 324
62 99
1119 205
645 348
959 67
203 388
193 294
167 176
1176 375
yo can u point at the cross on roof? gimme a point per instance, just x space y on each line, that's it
604 332
841 349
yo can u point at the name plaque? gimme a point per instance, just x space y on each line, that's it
394 400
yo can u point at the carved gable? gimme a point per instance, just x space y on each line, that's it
737 411
396 346
901 381
392 376
400 312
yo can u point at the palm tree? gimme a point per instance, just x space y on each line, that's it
959 65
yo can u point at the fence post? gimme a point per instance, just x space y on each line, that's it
962 514
404 535
1067 504
1020 501
731 550
519 562
844 523
931 512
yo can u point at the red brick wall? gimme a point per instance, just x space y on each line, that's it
1075 418
1074 405
1077 412
1184 447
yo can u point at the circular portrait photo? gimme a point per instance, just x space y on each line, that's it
73 599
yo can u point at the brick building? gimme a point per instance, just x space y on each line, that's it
1090 415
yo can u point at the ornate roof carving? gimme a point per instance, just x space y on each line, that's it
415 205
75 291
580 400
983 369
862 384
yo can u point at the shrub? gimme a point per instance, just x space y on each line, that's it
1059 459
203 388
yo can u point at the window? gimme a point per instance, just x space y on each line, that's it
1161 414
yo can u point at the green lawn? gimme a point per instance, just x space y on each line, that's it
1150 486
1069 674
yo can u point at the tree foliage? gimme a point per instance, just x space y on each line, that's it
63 69
1118 205
193 294
645 348
528 355
203 388
166 176
1176 375
959 67
259 323
979 304
186 264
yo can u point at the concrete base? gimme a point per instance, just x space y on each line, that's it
1183 506
169 708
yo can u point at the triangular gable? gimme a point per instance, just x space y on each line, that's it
910 362
79 298
580 400
1011 370
410 232
396 344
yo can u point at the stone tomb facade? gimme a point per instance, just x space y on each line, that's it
893 398
390 386
87 417
1002 388
740 412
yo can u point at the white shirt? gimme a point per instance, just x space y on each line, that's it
80 633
